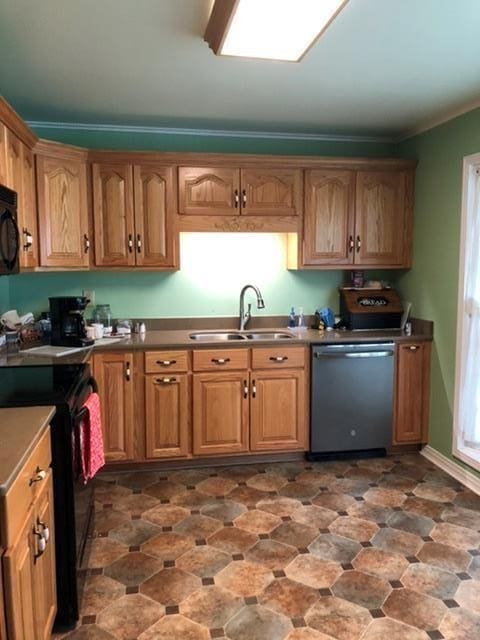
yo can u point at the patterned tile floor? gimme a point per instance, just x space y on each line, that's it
368 550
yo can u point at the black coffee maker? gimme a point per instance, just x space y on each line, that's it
68 325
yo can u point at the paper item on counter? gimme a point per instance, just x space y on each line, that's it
108 340
50 351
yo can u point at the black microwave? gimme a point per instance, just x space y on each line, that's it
9 233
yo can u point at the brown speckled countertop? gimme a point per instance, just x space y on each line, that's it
20 430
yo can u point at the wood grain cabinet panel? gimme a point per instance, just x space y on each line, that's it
412 394
381 218
44 582
277 413
209 191
18 567
220 413
3 155
167 415
329 217
113 215
3 627
62 212
28 225
271 192
155 241
114 375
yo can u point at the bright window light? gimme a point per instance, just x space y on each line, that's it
277 29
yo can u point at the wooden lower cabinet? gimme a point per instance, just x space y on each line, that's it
113 372
29 572
412 393
167 415
277 410
220 413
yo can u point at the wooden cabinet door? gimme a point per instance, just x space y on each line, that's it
412 397
18 568
44 582
114 375
167 417
277 410
380 218
329 217
62 212
208 191
271 192
3 627
3 155
155 241
220 413
13 151
28 214
113 215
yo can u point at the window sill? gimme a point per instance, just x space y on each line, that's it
468 456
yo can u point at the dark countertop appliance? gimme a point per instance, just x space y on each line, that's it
67 387
68 324
9 232
351 399
363 309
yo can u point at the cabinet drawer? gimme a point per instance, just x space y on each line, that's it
156 361
25 489
278 357
220 359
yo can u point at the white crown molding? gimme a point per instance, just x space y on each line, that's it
438 120
218 133
453 469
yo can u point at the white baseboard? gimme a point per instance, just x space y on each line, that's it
456 471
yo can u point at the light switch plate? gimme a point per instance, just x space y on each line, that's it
90 294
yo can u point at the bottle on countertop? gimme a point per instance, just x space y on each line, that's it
301 319
291 318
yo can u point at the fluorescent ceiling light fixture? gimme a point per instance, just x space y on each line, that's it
269 29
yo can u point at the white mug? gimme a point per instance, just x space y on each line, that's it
90 331
98 330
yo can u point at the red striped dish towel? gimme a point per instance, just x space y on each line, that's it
91 445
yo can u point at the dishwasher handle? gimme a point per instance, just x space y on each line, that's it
354 354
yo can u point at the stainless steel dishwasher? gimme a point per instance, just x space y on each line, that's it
351 399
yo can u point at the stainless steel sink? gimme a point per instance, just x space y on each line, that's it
220 336
269 335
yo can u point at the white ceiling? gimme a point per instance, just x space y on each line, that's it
382 68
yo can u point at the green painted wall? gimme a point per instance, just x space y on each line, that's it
432 284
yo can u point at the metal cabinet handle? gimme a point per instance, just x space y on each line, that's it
254 389
278 358
244 198
45 532
351 244
166 380
359 244
235 199
139 243
86 243
130 243
41 543
220 360
413 347
40 474
127 371
166 363
27 239
245 389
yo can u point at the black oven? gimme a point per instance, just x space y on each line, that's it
67 387
9 233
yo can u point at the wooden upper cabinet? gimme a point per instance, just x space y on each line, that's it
3 155
271 192
329 217
113 372
62 211
13 151
28 225
381 218
208 191
155 238
220 412
167 414
113 215
412 397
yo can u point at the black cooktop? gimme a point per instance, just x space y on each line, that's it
40 385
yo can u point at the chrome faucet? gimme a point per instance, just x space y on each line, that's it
246 315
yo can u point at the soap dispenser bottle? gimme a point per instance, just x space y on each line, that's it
291 318
301 319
